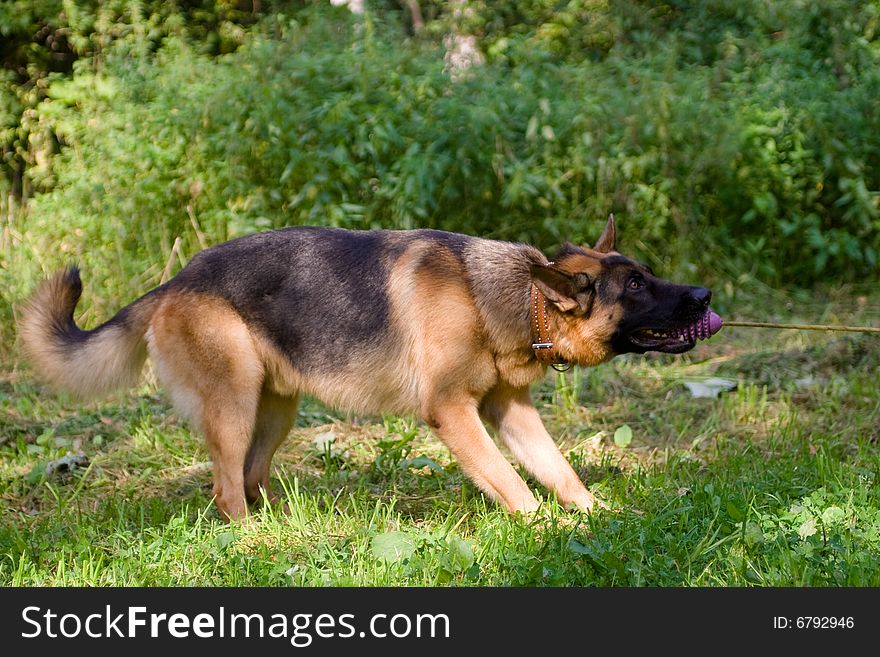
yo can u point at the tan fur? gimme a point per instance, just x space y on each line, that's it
456 370
440 365
585 341
588 264
503 309
457 346
511 411
457 422
275 417
365 387
112 360
206 357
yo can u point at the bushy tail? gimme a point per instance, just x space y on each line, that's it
84 363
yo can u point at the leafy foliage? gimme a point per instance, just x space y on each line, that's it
735 141
42 39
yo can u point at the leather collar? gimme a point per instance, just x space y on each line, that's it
542 342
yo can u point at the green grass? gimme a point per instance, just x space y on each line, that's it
773 483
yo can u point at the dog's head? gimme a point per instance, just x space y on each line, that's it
608 304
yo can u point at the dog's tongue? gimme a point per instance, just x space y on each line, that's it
705 327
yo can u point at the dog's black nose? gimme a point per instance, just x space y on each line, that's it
702 296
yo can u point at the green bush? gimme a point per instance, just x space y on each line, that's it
749 146
42 39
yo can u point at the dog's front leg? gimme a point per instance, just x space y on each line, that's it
458 425
520 427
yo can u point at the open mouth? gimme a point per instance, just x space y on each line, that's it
677 339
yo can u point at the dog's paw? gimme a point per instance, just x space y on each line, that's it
548 517
586 502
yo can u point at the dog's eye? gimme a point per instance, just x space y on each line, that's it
635 283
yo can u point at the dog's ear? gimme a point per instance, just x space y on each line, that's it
568 292
608 241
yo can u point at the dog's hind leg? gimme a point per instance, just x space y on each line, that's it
520 427
205 357
275 416
227 428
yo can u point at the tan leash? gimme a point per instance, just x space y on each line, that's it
805 327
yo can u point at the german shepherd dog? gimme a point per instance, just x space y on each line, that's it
450 327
